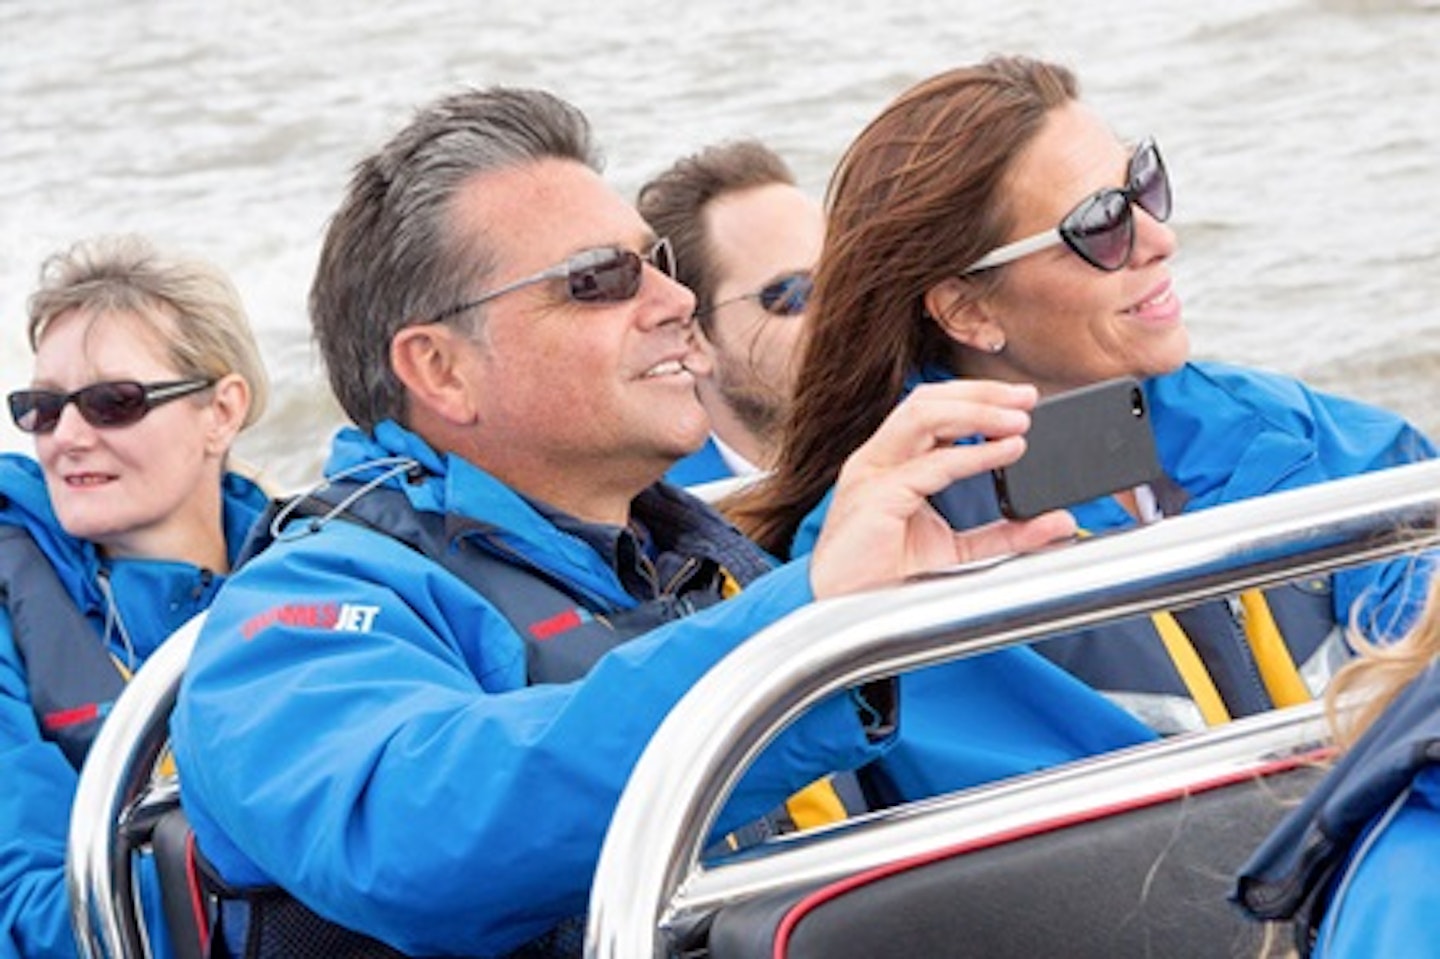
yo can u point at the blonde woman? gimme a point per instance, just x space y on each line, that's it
120 529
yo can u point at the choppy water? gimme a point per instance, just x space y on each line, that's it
1303 138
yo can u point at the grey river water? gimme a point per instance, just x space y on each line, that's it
1303 138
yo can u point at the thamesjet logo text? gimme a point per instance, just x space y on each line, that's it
342 617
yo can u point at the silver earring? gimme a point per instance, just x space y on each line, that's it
996 347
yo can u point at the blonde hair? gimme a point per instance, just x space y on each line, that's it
1381 671
190 305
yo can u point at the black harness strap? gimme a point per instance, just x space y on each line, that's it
565 630
71 677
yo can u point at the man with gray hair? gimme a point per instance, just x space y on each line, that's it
407 721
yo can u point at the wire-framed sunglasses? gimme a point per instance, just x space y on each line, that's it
606 274
786 295
1101 229
109 404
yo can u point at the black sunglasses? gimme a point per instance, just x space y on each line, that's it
1101 229
786 295
116 403
607 274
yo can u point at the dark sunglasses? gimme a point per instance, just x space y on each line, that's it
117 403
787 295
607 274
1101 229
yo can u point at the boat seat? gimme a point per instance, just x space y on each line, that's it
1144 878
182 896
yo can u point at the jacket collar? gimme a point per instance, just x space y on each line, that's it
453 486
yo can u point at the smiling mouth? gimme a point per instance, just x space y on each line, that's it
88 479
1160 299
666 368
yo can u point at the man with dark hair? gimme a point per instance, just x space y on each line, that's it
746 239
407 721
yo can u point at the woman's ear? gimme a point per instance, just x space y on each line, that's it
229 405
963 318
428 359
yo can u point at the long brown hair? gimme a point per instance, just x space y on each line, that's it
917 195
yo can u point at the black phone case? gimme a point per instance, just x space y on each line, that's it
1082 445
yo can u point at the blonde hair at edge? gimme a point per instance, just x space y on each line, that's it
190 305
1369 684
1373 680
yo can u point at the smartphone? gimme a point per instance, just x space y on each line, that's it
1082 445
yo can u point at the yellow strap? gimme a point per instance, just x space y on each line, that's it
816 805
1192 670
1277 668
729 585
1190 666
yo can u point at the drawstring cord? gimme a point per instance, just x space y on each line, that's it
114 622
398 465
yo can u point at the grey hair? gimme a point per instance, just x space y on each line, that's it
391 258
190 305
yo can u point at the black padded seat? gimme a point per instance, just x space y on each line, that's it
181 892
1146 879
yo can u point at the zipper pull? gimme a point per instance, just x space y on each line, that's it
1237 610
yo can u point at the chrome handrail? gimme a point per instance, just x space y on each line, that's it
114 783
652 850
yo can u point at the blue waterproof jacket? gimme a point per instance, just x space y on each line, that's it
152 598
355 725
705 465
1223 434
1353 865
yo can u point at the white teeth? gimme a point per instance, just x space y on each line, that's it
667 368
1153 301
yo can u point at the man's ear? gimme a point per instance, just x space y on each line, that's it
430 360
963 318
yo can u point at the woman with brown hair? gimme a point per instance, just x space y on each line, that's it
989 224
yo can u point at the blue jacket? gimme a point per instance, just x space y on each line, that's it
1223 434
404 781
152 598
1353 865
705 465
409 808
